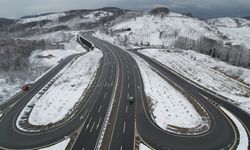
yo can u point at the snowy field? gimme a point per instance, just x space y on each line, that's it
169 107
58 100
201 69
59 146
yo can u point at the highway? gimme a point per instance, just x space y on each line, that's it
117 79
222 133
122 136
88 118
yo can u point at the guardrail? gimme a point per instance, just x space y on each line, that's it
85 43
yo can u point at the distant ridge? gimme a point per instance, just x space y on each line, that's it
248 17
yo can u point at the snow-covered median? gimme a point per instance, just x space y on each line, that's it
243 139
56 101
143 147
170 109
201 69
59 146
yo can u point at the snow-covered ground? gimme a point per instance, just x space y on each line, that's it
59 146
154 30
169 107
40 18
58 100
74 22
143 147
95 16
40 61
243 144
201 69
49 57
66 38
237 29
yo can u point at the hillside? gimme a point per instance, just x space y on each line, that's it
226 39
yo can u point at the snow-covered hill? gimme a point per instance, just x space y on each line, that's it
226 39
157 30
236 29
52 17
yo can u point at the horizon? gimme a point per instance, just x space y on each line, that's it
205 10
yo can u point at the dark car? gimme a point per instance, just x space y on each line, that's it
25 87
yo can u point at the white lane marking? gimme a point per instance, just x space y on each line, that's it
121 147
98 124
105 94
99 109
88 123
82 116
92 127
128 95
128 78
126 108
128 85
124 127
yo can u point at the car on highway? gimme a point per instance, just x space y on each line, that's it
25 87
1 114
131 99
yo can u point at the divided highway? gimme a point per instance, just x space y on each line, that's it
122 137
118 79
222 135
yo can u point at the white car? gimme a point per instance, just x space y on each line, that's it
1 114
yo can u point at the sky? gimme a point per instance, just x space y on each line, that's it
199 8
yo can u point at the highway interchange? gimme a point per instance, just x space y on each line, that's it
119 78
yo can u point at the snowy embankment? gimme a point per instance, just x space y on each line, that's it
170 109
203 70
54 102
243 139
59 146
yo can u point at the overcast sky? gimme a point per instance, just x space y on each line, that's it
199 8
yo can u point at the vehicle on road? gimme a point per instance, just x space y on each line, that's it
1 114
25 87
131 99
